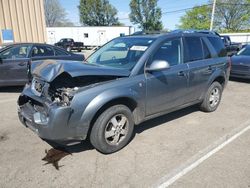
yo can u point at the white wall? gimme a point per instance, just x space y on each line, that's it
239 37
96 35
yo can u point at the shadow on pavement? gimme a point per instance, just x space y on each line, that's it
11 89
61 150
164 119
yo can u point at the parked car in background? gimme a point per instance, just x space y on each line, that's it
231 47
125 82
241 63
15 59
69 44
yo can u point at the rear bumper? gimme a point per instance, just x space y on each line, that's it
50 122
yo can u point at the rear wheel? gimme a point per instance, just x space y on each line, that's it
212 98
113 129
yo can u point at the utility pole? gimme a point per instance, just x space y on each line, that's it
212 16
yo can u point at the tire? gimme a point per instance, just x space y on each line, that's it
212 98
108 134
79 50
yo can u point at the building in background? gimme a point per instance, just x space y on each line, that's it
243 38
90 35
22 21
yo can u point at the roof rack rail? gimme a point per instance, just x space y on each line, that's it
195 31
148 32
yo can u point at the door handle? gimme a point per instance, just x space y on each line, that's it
181 73
209 69
22 63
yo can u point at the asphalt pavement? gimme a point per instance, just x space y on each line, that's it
187 148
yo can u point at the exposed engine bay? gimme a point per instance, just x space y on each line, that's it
63 88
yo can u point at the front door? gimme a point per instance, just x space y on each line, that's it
167 89
13 65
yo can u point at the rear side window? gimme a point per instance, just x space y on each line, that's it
206 51
39 51
218 46
193 49
60 52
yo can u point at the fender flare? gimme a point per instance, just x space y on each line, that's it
100 100
216 74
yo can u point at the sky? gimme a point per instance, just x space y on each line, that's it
170 20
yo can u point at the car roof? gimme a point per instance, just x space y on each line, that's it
175 33
26 43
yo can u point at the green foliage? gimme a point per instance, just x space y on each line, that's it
232 15
55 14
97 13
197 18
146 14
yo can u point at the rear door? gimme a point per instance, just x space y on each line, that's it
13 67
198 59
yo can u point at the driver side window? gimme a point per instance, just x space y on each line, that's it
170 51
16 52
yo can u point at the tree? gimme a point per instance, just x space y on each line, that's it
146 13
55 14
232 15
97 13
197 18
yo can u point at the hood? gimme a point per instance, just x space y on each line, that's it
240 60
48 70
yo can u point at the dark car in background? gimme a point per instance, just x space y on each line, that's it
231 47
69 44
127 81
16 58
241 63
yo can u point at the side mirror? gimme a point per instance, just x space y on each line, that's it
158 65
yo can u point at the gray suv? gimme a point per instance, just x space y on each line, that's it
127 81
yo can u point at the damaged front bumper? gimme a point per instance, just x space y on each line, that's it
49 120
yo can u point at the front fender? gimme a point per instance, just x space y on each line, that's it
100 100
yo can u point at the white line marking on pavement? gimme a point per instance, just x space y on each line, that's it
201 156
7 100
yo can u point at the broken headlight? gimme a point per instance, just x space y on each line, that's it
37 87
64 96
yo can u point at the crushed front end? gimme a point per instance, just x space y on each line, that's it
47 111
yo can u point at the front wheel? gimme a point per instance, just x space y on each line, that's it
212 98
113 129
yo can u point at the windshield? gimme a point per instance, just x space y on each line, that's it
244 51
121 53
